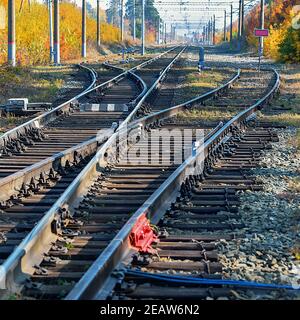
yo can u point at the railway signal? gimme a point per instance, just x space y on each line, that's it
262 25
261 33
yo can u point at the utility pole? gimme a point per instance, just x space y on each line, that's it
240 20
231 17
143 27
165 33
243 19
240 26
11 33
214 30
209 32
122 20
98 25
56 36
261 39
224 25
133 22
173 33
158 32
50 29
83 30
262 26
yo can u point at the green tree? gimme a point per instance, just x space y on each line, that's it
151 15
289 48
113 12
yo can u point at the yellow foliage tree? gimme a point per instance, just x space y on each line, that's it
32 32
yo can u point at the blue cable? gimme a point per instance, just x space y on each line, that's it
193 280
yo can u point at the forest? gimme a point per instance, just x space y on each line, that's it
32 40
281 17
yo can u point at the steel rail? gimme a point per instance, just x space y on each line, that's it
150 91
160 115
107 65
14 182
45 118
11 184
39 239
99 280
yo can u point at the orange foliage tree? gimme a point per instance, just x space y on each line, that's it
283 43
279 15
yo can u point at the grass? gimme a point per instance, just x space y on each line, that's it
197 83
69 246
288 103
11 119
288 119
294 185
296 252
39 84
200 114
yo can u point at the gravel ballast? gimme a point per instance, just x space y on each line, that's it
266 249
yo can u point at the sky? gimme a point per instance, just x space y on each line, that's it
196 12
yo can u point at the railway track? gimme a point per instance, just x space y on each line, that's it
203 211
78 251
82 243
39 198
76 126
52 169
